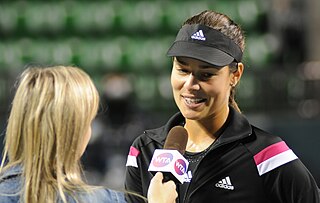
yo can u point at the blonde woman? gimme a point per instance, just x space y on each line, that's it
48 130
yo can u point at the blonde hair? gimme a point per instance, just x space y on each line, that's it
51 113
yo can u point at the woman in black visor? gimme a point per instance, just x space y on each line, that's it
230 160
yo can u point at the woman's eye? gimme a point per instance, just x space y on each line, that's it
181 70
206 75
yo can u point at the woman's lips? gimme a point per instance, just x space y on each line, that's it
193 102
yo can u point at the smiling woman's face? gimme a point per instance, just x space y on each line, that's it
200 90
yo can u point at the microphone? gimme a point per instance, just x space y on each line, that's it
170 160
177 139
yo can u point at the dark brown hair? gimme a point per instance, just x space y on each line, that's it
225 25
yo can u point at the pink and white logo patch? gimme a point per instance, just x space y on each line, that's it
273 156
132 157
180 166
162 160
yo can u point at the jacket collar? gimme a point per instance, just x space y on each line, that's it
12 171
236 127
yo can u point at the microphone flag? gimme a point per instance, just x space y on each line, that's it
169 161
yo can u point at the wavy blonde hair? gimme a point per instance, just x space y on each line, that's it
52 111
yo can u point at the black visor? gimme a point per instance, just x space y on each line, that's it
206 44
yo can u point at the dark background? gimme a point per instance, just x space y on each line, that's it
122 45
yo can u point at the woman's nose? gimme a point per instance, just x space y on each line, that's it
191 82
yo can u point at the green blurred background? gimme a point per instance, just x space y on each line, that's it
122 45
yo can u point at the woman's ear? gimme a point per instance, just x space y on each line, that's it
236 75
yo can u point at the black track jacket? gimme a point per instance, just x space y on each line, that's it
244 165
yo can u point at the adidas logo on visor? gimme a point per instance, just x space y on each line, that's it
198 35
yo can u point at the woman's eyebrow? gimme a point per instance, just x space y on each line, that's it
181 61
207 66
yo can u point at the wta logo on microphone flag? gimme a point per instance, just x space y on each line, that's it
166 160
162 160
180 166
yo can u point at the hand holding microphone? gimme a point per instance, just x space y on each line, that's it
160 192
170 160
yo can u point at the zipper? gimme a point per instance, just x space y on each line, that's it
187 195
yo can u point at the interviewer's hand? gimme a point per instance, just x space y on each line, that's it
159 192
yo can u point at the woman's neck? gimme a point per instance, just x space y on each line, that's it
202 133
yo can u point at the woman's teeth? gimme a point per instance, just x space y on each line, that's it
193 100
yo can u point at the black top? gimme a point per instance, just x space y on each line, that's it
244 165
